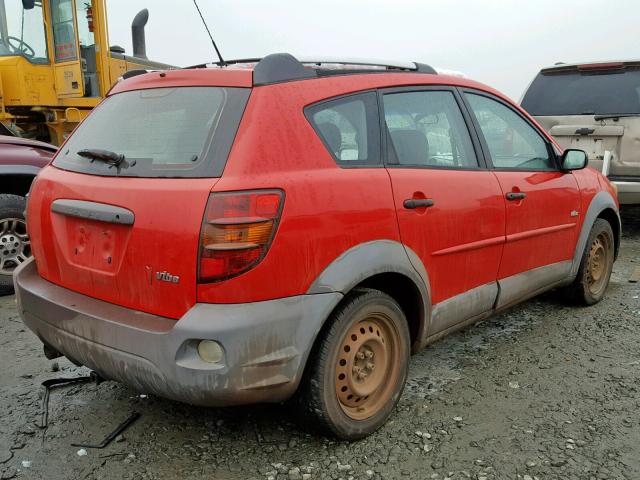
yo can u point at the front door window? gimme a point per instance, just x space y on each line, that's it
512 142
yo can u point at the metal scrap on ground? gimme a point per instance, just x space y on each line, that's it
60 382
53 383
109 438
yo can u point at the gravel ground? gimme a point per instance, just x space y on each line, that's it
543 391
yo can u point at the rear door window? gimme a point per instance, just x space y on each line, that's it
162 132
349 128
427 129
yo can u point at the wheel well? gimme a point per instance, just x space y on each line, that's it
404 291
15 184
610 216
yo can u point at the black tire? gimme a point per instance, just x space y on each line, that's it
599 251
337 413
11 206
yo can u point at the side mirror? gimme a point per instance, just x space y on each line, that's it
28 4
573 160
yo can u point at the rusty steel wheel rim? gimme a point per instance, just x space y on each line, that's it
366 371
598 263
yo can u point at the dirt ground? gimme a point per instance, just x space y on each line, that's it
544 391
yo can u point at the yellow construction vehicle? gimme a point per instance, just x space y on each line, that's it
56 64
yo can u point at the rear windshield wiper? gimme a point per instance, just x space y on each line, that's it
112 159
616 115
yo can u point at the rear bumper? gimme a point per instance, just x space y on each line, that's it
266 344
628 191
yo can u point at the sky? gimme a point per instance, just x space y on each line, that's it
498 42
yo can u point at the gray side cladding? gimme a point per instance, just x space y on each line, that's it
372 258
600 202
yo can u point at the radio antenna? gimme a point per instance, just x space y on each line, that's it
222 62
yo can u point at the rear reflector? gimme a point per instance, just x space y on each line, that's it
237 230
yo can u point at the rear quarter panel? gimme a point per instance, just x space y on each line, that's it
327 209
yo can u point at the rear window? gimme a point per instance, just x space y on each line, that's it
584 93
162 132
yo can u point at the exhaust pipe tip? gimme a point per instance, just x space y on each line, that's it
97 378
137 33
141 18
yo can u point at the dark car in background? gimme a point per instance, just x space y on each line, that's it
594 107
20 161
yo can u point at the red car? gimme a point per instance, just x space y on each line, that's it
20 161
223 235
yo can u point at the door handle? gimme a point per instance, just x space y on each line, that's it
412 203
511 196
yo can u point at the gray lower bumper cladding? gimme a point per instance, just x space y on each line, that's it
266 344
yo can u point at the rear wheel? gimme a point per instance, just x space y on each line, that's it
15 247
596 265
359 367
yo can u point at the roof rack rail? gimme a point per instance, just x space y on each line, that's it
364 62
284 67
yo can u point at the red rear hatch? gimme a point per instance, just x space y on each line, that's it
118 216
120 262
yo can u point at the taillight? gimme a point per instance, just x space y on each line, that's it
237 230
